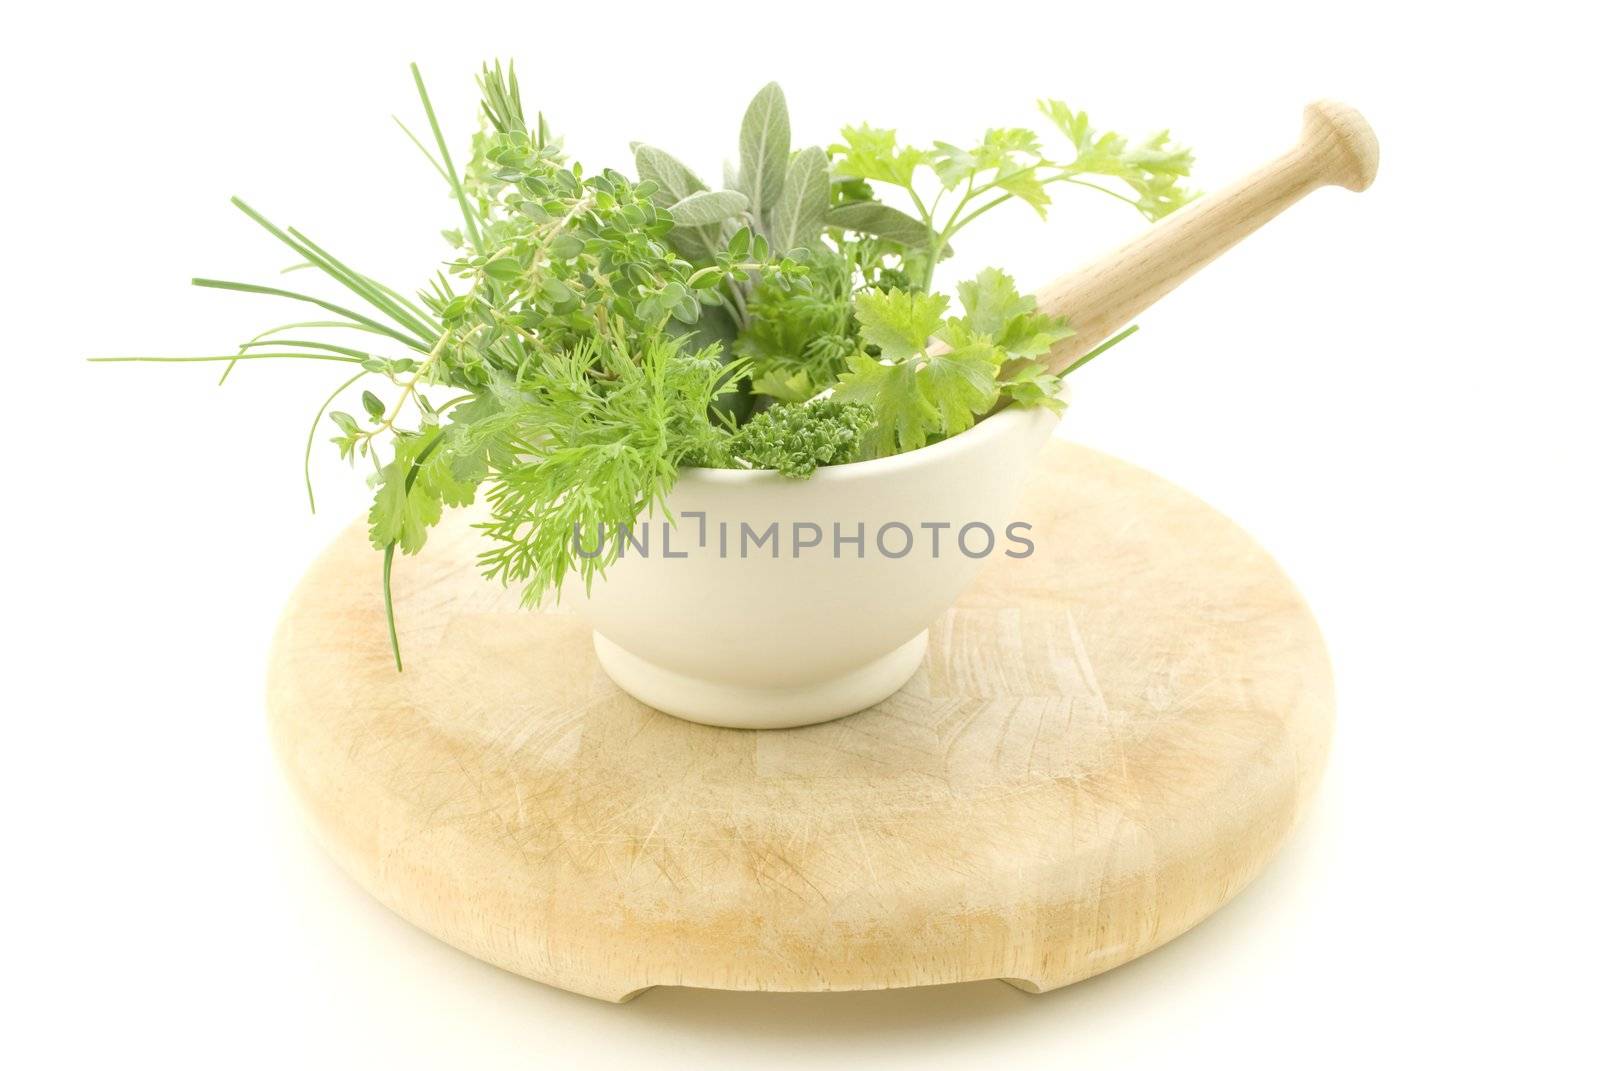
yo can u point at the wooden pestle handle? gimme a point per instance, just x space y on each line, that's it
1336 147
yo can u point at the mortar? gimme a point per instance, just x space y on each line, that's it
737 631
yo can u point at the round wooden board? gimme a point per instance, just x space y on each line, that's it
1107 741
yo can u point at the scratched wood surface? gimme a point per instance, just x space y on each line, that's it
1107 741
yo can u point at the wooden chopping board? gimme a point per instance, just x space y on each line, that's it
1107 741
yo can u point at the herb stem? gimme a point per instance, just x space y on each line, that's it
410 388
450 168
388 557
938 238
713 269
388 605
311 435
230 357
423 149
304 344
1064 177
956 225
337 310
353 281
1098 350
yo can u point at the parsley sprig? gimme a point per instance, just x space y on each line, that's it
1008 163
923 392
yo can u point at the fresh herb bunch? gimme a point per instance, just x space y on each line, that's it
595 334
800 341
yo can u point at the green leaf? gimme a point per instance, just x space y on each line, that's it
764 149
903 415
1028 384
503 269
558 292
880 221
995 310
1075 125
372 404
999 146
400 514
425 475
797 221
674 179
790 387
991 300
960 384
1152 169
707 207
565 246
913 401
686 311
1032 334
1024 183
873 153
897 322
916 392
953 165
920 392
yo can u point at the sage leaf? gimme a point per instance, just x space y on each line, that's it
764 149
803 204
676 180
707 207
880 221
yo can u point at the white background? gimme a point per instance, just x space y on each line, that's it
1395 393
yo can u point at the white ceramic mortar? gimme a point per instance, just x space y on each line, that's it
745 640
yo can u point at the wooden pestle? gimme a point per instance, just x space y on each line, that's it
1337 148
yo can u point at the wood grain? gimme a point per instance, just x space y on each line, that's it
1108 741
